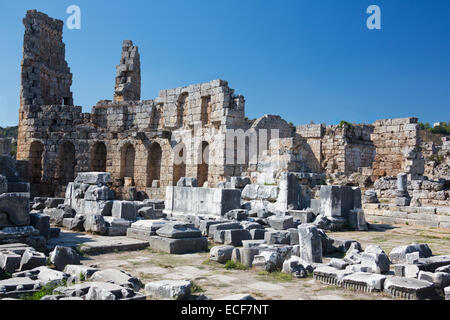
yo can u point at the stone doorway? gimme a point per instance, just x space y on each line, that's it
128 157
179 163
203 166
67 163
154 164
98 157
36 162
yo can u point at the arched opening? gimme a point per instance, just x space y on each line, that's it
154 164
36 162
98 157
179 163
203 166
182 109
67 162
128 156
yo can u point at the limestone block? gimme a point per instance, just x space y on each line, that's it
60 257
93 178
124 210
118 277
235 237
17 208
310 244
221 254
169 289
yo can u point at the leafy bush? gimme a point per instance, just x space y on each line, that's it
344 123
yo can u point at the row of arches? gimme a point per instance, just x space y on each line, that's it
66 162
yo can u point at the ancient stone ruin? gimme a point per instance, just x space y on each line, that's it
187 170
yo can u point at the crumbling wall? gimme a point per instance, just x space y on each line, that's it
334 149
128 80
397 148
46 77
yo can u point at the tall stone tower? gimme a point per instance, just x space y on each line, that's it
46 77
128 79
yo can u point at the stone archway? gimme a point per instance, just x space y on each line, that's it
35 164
203 166
154 163
98 157
127 159
67 163
179 163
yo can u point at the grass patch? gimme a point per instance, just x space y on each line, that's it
46 290
4 275
276 276
231 265
196 288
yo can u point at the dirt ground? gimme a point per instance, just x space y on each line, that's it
214 281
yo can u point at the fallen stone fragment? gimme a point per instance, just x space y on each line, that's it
440 279
310 244
223 226
280 222
221 254
409 288
366 282
338 264
445 269
79 271
398 254
178 231
330 275
150 213
118 277
237 214
32 259
169 289
60 257
179 246
9 261
278 237
376 262
93 178
258 234
235 237
111 291
267 261
16 287
248 255
96 224
447 293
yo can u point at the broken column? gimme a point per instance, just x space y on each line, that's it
403 198
310 243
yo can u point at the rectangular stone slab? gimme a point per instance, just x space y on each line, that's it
179 246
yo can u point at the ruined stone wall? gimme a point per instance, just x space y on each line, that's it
46 77
397 148
422 192
128 80
336 149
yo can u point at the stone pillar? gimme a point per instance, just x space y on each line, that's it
403 198
310 243
128 79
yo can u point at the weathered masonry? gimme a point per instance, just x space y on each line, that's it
148 145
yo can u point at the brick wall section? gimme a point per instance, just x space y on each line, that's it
396 142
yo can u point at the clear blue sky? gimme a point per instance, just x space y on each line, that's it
304 60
